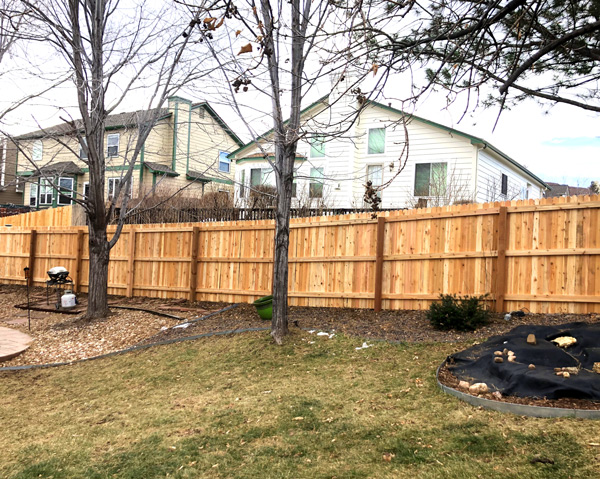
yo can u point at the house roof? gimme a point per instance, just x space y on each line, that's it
159 168
119 120
267 133
196 175
557 189
53 169
474 139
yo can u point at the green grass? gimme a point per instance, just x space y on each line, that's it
240 407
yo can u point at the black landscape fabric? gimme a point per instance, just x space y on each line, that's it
476 364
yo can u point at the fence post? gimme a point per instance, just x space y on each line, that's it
194 263
131 270
77 281
501 259
31 261
379 263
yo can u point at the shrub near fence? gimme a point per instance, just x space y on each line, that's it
543 255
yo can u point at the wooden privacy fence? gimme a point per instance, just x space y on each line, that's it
543 255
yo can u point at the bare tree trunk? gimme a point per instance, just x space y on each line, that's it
284 178
98 274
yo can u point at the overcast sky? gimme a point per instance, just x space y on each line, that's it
559 144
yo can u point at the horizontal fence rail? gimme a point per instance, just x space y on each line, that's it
542 255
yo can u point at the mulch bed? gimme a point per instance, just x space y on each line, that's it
61 338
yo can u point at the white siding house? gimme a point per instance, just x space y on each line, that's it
419 162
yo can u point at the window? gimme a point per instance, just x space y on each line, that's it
317 147
46 191
33 192
37 151
82 151
259 176
224 162
430 179
86 189
375 176
113 186
294 188
315 187
65 190
376 141
112 142
504 185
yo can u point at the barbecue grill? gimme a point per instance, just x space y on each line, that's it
59 277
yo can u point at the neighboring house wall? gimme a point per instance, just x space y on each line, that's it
457 167
176 146
490 171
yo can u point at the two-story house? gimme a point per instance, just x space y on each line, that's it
186 151
420 162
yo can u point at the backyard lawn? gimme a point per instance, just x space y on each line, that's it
239 407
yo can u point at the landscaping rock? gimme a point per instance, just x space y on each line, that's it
564 341
497 395
463 385
531 339
596 368
498 359
478 388
497 353
531 366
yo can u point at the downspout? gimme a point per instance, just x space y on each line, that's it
479 147
187 165
141 167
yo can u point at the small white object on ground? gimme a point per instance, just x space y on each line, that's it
478 388
181 326
364 346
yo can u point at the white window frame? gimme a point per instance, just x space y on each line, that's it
46 190
86 186
370 176
33 187
82 153
109 146
314 150
318 178
431 179
66 194
37 150
369 136
264 174
224 161
112 181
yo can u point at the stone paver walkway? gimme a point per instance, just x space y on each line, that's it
12 343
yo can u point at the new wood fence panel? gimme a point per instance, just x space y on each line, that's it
61 216
543 255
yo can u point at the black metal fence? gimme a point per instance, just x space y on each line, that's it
197 215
